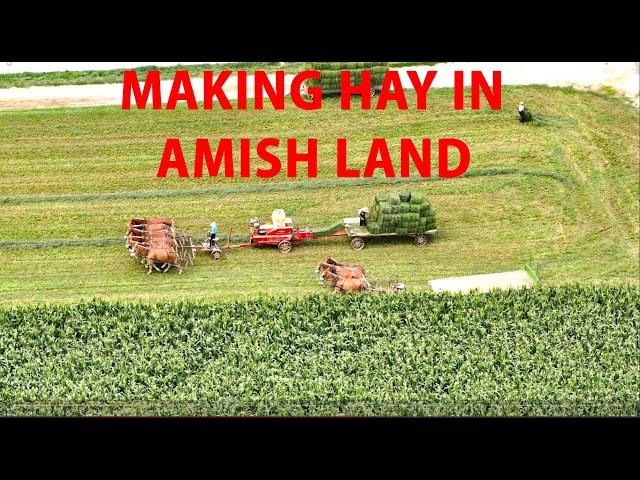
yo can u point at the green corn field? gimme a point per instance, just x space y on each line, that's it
567 350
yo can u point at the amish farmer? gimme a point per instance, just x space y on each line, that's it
521 111
525 115
363 213
213 234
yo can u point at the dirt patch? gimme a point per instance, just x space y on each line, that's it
105 94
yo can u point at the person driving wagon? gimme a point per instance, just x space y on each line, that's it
213 235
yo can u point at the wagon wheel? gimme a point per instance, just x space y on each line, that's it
284 246
357 243
420 240
217 255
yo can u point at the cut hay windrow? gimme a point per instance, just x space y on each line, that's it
326 231
109 241
62 242
276 186
85 242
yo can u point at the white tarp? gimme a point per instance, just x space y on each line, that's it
483 283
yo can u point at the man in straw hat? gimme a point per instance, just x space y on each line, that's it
363 212
521 112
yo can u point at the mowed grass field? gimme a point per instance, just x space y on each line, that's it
580 226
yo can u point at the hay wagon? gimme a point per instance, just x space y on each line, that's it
398 214
358 234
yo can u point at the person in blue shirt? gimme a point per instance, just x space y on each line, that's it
213 235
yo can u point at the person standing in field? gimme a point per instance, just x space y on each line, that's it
363 212
521 111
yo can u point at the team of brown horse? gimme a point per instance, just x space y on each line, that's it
342 277
154 241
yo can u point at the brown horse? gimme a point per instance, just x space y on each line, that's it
151 226
145 240
139 229
155 242
166 220
156 254
344 272
340 284
161 234
149 235
332 261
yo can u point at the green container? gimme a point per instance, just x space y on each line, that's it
405 197
405 208
394 199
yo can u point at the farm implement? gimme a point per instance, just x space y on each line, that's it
211 247
359 233
343 277
279 233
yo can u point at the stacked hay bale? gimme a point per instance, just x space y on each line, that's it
401 213
330 73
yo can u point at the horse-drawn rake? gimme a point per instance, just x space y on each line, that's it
343 277
158 245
